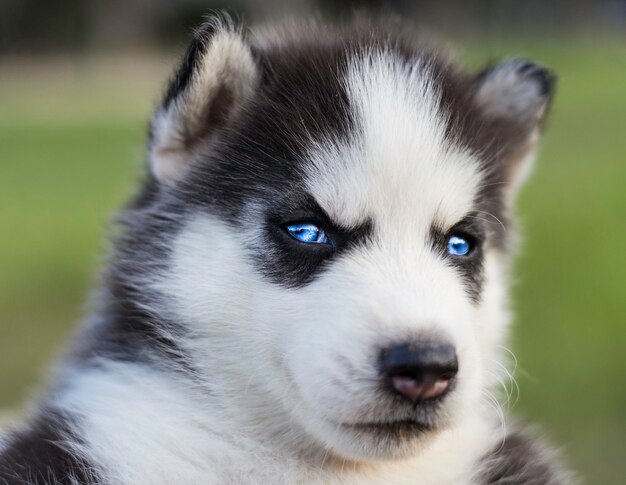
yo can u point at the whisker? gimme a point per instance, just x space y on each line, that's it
493 402
491 215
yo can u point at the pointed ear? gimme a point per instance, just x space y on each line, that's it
515 96
216 77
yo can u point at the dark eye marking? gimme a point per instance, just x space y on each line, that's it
460 241
462 247
301 239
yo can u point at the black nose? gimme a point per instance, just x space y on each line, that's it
419 371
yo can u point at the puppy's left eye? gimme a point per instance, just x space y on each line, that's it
459 246
307 232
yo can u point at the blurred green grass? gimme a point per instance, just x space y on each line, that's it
71 146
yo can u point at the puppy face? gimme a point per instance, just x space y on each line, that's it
338 261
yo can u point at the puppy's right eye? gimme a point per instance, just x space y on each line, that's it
307 232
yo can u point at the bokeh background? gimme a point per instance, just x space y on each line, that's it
78 81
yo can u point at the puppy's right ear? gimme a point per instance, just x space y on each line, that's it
216 77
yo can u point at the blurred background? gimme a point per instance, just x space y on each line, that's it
78 81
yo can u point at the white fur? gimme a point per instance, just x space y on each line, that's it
142 428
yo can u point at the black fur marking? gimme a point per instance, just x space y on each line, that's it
470 266
519 460
38 456
260 158
300 101
291 263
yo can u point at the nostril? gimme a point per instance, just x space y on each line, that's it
419 372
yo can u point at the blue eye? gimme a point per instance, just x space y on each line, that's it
458 246
307 233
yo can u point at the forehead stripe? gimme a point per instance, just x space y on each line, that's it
398 161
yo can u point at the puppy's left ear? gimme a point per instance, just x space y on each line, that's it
215 79
514 97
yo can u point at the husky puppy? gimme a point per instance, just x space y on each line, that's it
311 284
